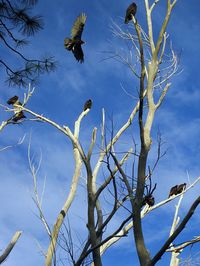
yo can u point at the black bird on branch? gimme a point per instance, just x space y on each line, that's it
87 105
181 187
13 100
173 191
177 189
149 198
74 43
131 11
19 114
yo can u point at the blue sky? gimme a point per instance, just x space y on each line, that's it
61 95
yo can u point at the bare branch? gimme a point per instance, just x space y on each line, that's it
149 23
153 5
94 133
174 257
144 212
107 181
10 246
178 248
164 26
163 95
115 138
178 230
37 200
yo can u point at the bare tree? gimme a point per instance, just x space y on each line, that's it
129 190
16 20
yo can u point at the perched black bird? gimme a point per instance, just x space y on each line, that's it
13 100
177 189
87 105
149 199
173 191
181 187
20 115
131 10
74 44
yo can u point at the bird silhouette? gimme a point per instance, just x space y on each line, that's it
19 114
74 43
181 187
149 199
131 11
177 189
13 100
87 105
173 191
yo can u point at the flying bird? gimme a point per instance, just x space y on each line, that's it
74 43
87 105
131 11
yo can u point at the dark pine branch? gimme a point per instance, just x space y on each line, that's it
16 18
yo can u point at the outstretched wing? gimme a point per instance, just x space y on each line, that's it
78 26
78 52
